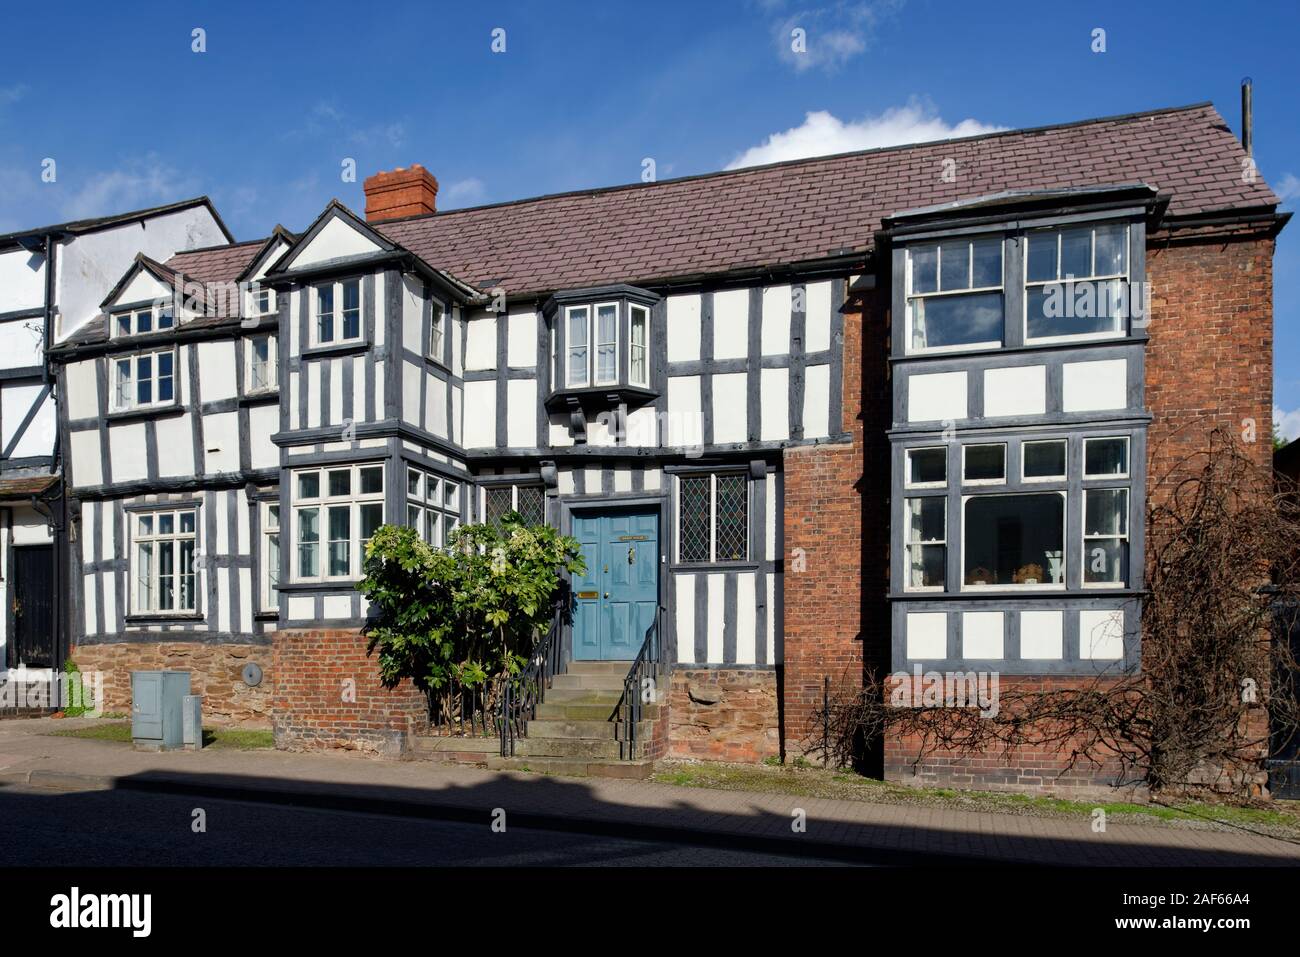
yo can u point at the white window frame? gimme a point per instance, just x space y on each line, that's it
908 544
255 292
1119 331
909 296
172 540
155 312
1107 476
1036 479
270 600
993 481
322 503
907 467
592 364
336 313
437 331
713 519
436 502
272 363
1012 586
133 401
633 310
1086 538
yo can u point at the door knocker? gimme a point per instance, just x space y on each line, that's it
631 554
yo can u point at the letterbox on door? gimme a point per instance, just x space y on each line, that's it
157 708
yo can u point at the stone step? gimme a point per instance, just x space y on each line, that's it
619 668
436 744
609 696
551 710
589 748
577 767
593 682
582 729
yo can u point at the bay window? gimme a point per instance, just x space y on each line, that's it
1105 536
432 505
1105 458
1014 541
163 571
638 354
925 530
926 468
270 556
336 512
1076 282
712 518
1043 461
338 312
585 325
144 380
954 294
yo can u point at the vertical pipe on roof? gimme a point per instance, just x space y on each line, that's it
1247 116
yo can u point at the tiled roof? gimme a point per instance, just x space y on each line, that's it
216 263
25 486
811 209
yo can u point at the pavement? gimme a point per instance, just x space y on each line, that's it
32 763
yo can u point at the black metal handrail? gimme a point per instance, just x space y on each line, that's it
522 693
643 685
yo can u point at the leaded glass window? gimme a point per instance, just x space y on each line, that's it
713 518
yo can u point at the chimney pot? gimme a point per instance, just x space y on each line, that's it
400 192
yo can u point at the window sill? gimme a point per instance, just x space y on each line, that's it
601 396
745 566
147 412
161 617
260 396
351 347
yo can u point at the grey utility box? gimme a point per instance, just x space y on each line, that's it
193 722
157 708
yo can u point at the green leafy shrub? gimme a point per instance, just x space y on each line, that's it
459 620
80 695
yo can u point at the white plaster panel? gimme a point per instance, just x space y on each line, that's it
816 401
481 427
1042 634
435 407
301 608
774 404
777 305
730 418
22 280
731 324
175 446
1101 634
338 606
127 447
981 634
1016 390
313 395
936 396
683 328
217 370
20 343
411 375
685 425
143 287
16 403
642 426
221 441
817 318
82 391
86 466
263 422
717 609
521 417
927 635
746 618
1094 386
335 240
481 347
521 340
685 612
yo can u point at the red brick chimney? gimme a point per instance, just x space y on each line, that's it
402 192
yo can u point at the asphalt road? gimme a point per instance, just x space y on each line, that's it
117 828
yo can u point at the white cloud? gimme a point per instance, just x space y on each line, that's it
822 134
1287 423
831 35
137 184
463 192
1288 187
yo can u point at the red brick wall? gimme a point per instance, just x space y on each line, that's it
328 695
723 714
837 536
216 672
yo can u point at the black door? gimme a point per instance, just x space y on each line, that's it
32 605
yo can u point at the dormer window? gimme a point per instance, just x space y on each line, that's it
338 312
144 319
954 295
261 302
600 346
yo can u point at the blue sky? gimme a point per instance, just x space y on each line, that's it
263 119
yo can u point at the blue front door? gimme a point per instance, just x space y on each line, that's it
615 601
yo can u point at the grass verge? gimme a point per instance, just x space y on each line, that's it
1280 818
223 739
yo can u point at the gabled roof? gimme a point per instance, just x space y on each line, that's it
810 210
142 263
79 226
278 235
